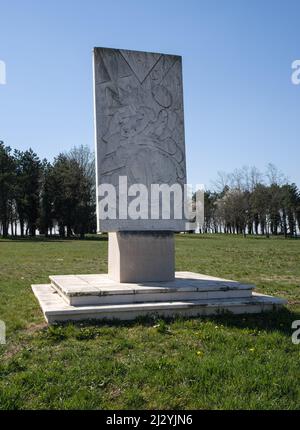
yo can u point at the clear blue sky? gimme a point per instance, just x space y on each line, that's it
240 105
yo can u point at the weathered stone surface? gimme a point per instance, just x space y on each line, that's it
139 126
101 289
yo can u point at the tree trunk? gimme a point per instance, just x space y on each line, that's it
62 231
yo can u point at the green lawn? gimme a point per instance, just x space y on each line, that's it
227 362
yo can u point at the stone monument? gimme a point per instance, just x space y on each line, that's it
139 137
140 178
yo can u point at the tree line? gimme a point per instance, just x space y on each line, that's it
59 197
250 202
38 195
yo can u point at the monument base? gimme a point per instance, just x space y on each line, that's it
89 297
141 256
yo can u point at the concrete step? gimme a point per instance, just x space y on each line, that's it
83 290
56 309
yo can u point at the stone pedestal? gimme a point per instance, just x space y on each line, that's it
89 297
141 256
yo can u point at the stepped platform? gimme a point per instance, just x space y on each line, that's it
83 297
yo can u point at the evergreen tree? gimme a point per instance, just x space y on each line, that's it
28 170
7 183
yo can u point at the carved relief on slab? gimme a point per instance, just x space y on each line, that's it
139 117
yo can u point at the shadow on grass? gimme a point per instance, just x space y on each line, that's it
277 320
225 236
53 239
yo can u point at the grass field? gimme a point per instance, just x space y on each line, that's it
226 362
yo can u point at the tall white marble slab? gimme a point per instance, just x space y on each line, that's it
139 126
